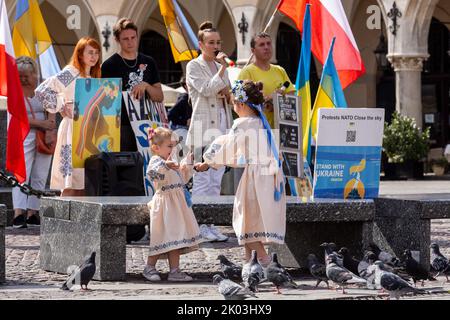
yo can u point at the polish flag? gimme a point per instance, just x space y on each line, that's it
328 20
10 87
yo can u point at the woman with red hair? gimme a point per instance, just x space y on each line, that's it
57 95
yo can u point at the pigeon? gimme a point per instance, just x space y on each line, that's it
349 262
383 256
253 273
439 263
81 275
415 269
317 270
229 269
368 260
392 283
231 290
329 249
339 274
278 275
366 269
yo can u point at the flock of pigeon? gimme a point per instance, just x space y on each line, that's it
378 270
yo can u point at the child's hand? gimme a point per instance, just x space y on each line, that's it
190 158
201 167
172 165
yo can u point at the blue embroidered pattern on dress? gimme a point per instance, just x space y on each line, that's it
272 235
176 243
155 175
156 163
212 151
65 166
65 77
47 97
172 186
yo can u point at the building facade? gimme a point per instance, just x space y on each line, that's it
415 79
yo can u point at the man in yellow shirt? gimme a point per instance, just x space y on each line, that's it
272 76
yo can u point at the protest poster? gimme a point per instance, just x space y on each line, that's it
288 129
144 114
96 122
348 155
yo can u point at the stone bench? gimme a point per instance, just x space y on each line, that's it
406 221
73 227
2 242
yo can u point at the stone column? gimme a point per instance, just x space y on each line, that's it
108 43
408 84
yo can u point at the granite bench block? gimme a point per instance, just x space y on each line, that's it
66 243
2 242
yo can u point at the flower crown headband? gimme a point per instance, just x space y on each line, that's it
241 96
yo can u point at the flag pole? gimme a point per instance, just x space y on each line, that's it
266 28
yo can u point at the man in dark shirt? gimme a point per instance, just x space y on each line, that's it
138 72
181 113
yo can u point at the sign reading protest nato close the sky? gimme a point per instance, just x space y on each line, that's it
348 155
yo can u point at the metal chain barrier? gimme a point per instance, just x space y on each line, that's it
24 188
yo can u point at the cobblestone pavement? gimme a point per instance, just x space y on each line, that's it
25 280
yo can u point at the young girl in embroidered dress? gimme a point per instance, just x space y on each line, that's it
173 227
259 213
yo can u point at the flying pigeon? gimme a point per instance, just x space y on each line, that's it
392 283
340 275
349 262
317 270
439 263
278 275
329 249
415 269
82 274
231 290
229 269
253 273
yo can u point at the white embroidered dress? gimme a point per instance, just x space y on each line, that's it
172 223
53 93
257 217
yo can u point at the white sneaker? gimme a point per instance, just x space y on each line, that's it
207 234
220 237
179 276
151 274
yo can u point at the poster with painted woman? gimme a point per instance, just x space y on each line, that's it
96 119
144 114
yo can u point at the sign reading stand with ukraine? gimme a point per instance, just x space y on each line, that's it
348 156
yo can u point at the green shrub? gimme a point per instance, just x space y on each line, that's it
403 140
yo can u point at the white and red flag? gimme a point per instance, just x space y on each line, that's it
328 21
10 87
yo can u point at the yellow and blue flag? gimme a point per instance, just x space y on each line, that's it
182 39
330 93
31 37
302 84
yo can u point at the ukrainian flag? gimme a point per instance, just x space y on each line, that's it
31 37
330 93
302 83
182 39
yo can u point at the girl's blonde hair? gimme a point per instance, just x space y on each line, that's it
159 135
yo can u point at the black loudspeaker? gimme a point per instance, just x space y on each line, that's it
116 174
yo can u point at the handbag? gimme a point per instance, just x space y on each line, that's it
41 146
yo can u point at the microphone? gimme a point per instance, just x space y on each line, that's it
285 86
227 60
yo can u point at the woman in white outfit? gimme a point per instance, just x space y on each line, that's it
57 95
208 85
37 164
